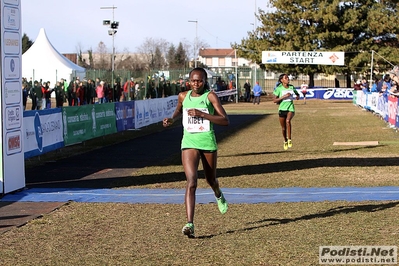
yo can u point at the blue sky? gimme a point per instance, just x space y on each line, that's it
70 24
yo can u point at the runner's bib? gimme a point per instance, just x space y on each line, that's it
194 124
290 92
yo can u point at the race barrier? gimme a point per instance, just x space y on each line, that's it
327 93
42 131
384 105
51 129
85 122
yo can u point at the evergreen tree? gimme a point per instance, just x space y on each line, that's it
170 57
26 43
356 28
181 56
159 60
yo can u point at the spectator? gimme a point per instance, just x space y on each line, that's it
39 95
80 94
33 96
100 92
247 87
90 92
356 86
24 94
59 94
48 94
374 85
257 90
364 85
117 91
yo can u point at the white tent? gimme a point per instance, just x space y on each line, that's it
43 61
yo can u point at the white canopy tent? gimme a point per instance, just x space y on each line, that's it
43 61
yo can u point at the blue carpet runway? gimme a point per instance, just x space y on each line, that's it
176 196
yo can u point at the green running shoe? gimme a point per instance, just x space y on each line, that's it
289 142
188 230
285 145
222 204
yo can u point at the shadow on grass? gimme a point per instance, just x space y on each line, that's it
324 214
114 178
113 164
262 169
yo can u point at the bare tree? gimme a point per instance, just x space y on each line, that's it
153 51
103 62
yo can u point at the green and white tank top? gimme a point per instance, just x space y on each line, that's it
198 132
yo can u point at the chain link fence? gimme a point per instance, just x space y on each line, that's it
161 83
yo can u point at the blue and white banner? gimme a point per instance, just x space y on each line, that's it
328 93
124 112
43 131
303 58
152 111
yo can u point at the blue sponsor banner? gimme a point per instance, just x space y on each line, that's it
328 93
125 115
43 131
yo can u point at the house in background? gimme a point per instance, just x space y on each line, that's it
222 57
225 60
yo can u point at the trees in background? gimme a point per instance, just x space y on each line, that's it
151 54
355 27
26 43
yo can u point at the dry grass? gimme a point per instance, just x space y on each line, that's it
248 234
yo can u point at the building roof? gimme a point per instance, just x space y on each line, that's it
210 52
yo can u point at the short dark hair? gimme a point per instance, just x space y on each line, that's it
200 69
281 77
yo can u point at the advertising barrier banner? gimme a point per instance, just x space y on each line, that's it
43 131
124 115
392 109
88 121
153 111
328 93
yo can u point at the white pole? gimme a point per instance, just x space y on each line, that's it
371 70
235 55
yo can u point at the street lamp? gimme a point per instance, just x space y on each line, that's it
196 41
112 31
235 55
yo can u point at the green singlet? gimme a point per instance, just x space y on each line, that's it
287 104
198 140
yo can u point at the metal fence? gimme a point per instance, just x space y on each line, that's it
267 80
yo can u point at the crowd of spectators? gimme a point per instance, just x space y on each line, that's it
44 95
387 84
77 92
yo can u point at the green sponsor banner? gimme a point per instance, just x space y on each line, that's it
105 119
88 121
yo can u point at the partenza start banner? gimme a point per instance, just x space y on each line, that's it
303 58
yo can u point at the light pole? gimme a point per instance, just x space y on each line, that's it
114 26
196 41
235 55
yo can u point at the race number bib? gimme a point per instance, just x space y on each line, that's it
195 124
290 92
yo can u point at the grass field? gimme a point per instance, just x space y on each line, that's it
248 234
